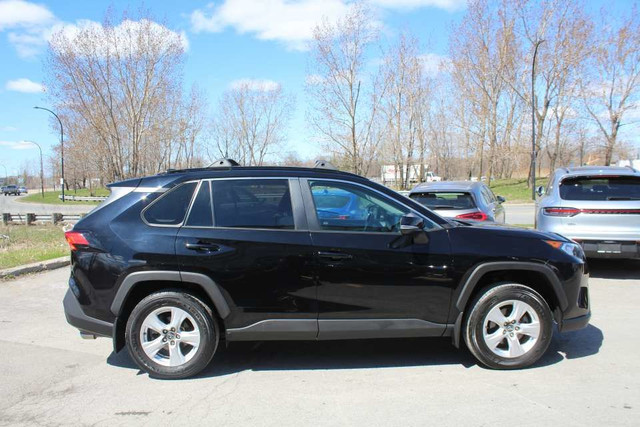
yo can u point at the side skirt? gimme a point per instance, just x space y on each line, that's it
337 329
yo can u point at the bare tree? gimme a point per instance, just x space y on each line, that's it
250 123
345 97
121 83
613 87
402 106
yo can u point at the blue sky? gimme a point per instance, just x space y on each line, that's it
227 40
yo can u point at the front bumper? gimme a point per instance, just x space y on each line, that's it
575 323
76 317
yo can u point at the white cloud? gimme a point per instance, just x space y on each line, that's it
21 14
279 20
24 85
433 64
18 145
264 85
450 5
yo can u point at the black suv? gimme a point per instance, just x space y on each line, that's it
173 264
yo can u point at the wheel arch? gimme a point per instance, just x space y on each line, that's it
539 277
138 285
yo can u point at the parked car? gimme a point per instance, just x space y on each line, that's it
172 265
461 199
432 177
596 206
11 190
24 190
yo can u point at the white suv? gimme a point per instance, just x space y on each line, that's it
596 206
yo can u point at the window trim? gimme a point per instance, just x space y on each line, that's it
164 194
314 224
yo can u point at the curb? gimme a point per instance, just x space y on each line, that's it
36 267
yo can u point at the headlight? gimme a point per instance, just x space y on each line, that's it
570 248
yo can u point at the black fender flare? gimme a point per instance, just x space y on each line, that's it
205 282
471 280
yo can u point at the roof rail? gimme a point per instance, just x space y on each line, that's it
323 164
223 163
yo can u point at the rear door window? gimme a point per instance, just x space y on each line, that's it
600 188
445 200
171 207
252 203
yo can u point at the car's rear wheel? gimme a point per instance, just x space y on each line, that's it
509 326
171 335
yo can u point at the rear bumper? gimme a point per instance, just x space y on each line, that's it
76 317
599 249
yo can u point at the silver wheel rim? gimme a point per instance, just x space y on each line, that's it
170 336
511 328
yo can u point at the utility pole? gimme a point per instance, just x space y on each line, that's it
61 148
533 120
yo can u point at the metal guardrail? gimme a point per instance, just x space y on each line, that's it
83 198
30 218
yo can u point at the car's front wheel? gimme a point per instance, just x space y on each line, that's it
171 335
509 327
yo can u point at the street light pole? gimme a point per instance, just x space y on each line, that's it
41 167
533 120
61 147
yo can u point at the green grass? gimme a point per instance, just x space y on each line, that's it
51 197
22 244
515 190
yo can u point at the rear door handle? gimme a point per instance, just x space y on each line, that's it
335 256
202 247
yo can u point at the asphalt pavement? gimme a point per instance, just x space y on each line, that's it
13 205
590 377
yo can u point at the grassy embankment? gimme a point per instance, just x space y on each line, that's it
21 244
52 197
515 190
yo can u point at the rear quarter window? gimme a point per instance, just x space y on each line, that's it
171 207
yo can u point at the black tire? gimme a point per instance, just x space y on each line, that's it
475 326
202 316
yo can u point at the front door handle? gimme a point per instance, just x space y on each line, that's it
335 256
202 247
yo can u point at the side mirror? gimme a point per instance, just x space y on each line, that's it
540 191
411 224
501 199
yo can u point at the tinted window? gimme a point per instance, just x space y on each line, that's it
600 188
171 207
341 206
200 215
255 203
442 200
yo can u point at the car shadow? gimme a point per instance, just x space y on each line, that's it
365 354
622 269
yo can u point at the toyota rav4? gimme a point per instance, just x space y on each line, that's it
172 265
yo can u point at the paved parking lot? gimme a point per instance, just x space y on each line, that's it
50 376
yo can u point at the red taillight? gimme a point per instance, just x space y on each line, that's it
343 216
476 216
561 211
75 239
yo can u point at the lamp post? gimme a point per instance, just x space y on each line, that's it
41 167
61 147
533 120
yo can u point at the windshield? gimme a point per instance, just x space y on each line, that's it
444 200
601 188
